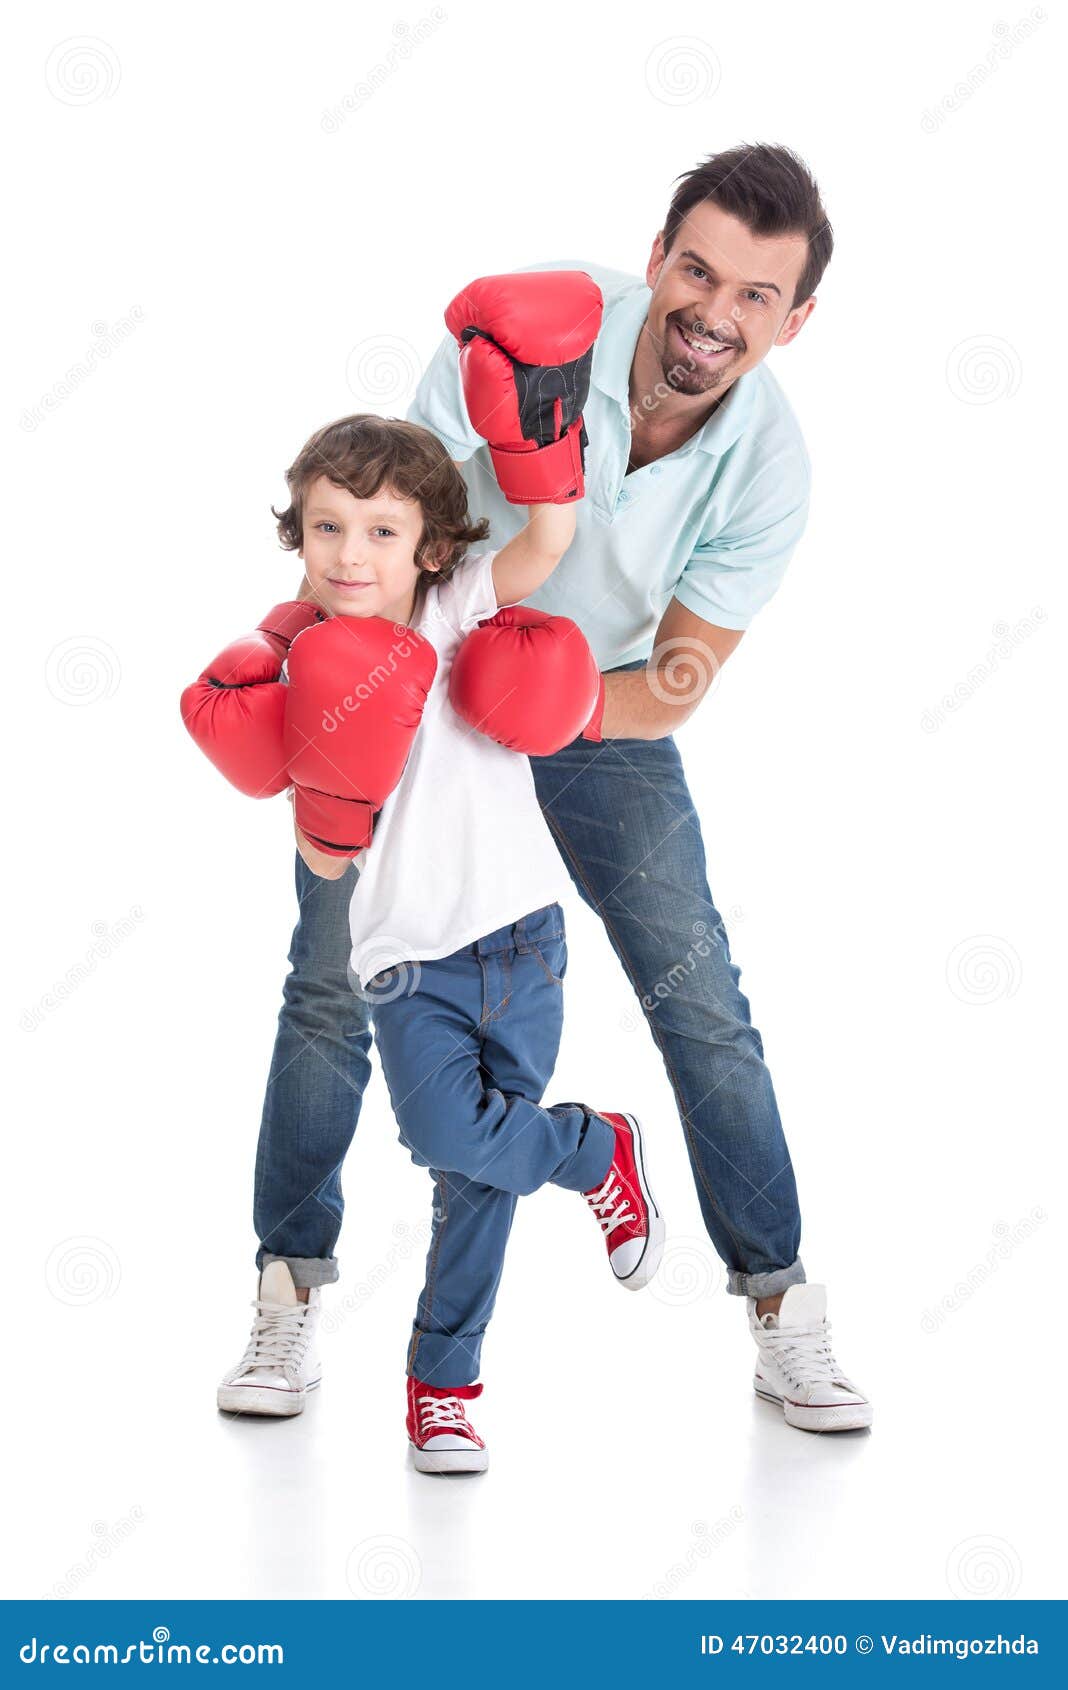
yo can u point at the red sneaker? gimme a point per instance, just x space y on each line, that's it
442 1438
632 1224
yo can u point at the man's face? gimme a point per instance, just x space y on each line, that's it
721 299
359 554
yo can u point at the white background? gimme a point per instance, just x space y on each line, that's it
884 861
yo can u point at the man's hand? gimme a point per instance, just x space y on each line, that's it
688 654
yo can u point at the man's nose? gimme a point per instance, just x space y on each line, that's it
714 309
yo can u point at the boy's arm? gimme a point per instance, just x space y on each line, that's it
527 561
327 867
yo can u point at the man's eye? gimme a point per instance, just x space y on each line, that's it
696 270
759 297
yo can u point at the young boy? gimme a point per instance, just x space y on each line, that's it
457 933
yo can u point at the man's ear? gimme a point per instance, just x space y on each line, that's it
656 260
795 320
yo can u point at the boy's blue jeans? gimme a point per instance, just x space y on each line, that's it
468 1043
622 816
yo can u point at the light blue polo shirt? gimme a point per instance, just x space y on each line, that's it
713 524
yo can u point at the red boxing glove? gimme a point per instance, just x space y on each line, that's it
526 347
234 710
529 681
357 687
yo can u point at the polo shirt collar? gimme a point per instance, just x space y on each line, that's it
613 355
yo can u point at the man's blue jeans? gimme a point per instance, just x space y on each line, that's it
468 1043
622 816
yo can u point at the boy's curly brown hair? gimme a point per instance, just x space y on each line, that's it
365 453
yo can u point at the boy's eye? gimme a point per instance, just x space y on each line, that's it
388 532
330 525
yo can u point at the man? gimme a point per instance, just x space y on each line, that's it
697 487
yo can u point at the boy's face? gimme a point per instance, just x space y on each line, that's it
359 554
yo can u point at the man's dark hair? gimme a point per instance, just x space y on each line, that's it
771 191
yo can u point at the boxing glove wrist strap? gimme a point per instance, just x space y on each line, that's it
288 620
548 475
339 826
592 730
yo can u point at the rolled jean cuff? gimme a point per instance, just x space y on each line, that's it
439 1359
765 1284
588 1167
307 1271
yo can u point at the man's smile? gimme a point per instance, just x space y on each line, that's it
707 349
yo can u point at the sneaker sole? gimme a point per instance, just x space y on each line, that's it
266 1400
841 1417
645 1269
449 1460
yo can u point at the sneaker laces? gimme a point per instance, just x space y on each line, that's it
610 1205
278 1338
803 1352
443 1414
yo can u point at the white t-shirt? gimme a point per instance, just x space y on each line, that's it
460 847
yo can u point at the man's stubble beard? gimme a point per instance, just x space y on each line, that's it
690 382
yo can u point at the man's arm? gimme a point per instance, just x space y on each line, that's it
650 703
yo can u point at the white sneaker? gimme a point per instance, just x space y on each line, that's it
280 1365
796 1369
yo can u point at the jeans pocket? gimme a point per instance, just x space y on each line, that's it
552 954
